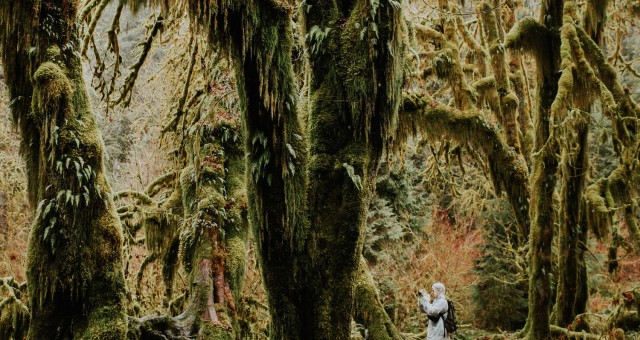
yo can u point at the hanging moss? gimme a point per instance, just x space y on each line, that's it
595 18
531 37
478 50
624 133
423 115
448 66
14 314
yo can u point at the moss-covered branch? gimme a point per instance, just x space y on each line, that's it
448 66
423 115
595 19
86 8
160 183
92 25
508 100
606 194
531 37
568 334
527 34
428 33
620 186
625 133
479 51
140 196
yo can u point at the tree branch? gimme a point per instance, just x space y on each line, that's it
92 25
142 197
559 331
130 81
531 37
423 115
427 33
159 183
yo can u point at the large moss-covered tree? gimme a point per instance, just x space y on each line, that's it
311 162
74 270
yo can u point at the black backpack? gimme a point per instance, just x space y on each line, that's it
450 324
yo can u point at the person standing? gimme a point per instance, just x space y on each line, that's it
436 311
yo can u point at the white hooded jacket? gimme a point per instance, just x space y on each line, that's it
436 330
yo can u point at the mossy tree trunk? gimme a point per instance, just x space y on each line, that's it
507 113
519 79
308 193
214 226
258 36
572 291
542 38
572 228
74 262
354 94
213 234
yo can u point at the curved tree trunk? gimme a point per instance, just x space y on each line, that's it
74 264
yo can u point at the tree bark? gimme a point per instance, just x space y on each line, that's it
508 100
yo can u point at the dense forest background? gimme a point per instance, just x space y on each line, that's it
450 195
